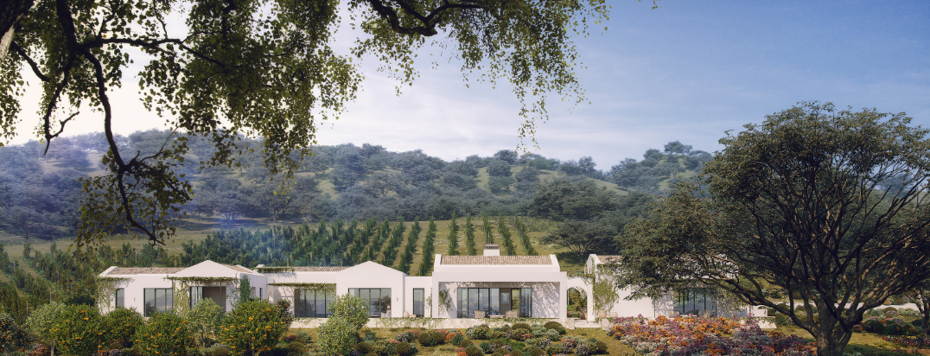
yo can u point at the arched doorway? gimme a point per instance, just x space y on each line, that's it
577 303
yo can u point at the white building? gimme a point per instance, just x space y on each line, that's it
683 302
461 287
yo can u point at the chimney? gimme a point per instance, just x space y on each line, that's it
492 250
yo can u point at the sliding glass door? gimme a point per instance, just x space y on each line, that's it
495 301
378 299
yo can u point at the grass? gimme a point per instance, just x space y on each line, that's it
863 343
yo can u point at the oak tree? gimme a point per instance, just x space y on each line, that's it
264 68
799 202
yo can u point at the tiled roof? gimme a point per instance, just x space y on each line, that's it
495 260
319 269
237 268
144 270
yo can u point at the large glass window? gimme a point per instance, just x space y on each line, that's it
313 303
196 295
120 298
158 300
495 301
698 301
418 302
378 299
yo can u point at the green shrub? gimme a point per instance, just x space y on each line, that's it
516 352
193 351
555 349
129 351
909 329
495 334
890 312
205 318
473 350
524 326
554 325
465 343
297 347
283 307
480 332
431 338
351 308
457 339
337 335
874 326
534 351
123 324
782 320
364 347
80 330
405 349
485 347
164 334
553 335
252 326
12 336
221 351
600 347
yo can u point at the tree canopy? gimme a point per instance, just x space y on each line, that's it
799 202
256 68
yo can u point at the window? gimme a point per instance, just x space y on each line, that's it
196 295
313 303
378 299
418 302
120 298
495 301
158 300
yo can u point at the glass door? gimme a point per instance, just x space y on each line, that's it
505 301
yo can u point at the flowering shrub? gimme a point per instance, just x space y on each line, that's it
673 337
12 336
252 326
80 331
123 324
920 341
164 334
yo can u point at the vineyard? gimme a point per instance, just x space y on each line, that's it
35 277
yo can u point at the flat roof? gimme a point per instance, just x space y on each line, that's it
495 260
146 270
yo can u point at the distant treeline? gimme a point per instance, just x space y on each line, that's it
41 193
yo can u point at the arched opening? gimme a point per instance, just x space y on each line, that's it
577 303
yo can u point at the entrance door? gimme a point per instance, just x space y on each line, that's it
505 301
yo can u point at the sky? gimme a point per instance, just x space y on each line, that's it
686 71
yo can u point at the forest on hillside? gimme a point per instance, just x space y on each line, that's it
42 192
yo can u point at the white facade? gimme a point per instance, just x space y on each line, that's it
460 286
682 303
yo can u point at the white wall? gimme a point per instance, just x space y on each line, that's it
134 290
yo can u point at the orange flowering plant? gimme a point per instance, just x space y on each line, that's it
81 330
254 326
165 334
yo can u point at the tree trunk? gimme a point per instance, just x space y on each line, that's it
830 337
10 13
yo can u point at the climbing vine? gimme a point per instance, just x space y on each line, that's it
274 269
106 288
181 289
445 301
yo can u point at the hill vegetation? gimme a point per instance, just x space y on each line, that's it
42 192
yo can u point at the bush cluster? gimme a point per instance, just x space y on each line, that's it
164 334
253 326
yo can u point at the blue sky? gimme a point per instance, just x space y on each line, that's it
686 71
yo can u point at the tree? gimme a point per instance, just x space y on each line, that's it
563 199
205 318
920 296
264 67
797 203
498 168
581 237
508 156
41 322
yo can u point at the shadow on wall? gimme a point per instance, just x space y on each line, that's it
546 300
